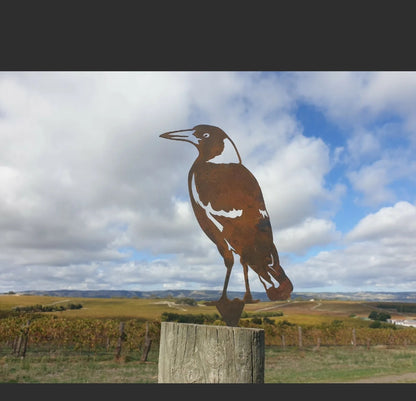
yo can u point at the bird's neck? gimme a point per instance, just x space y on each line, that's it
228 155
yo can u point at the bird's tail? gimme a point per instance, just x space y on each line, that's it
276 271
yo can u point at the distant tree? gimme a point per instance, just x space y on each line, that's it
47 308
380 316
189 318
75 306
187 301
373 315
268 321
285 323
383 316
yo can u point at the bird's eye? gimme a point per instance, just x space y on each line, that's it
206 135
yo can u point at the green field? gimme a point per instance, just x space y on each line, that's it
327 354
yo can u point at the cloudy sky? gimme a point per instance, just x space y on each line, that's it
92 198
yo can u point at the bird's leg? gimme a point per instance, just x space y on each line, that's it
247 296
229 310
248 299
229 262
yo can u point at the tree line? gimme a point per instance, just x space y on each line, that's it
46 308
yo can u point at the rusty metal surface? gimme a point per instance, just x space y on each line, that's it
229 206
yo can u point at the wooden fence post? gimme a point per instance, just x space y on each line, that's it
318 344
147 344
120 341
21 345
14 345
193 353
25 340
354 339
300 336
283 342
18 345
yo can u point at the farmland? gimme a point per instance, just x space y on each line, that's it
338 343
299 312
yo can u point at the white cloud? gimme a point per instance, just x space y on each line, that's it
391 92
389 223
379 254
375 112
309 233
355 98
373 180
363 144
292 180
337 94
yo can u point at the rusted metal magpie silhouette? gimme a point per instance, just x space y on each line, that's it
229 206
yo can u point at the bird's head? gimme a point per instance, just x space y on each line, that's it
212 142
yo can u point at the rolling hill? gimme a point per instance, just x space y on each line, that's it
209 295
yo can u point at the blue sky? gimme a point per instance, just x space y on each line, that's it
92 198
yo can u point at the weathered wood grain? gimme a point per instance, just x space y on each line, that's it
192 353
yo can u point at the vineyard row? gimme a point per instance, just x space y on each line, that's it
99 334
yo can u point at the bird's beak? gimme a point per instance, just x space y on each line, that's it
190 137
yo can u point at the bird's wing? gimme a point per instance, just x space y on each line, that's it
228 187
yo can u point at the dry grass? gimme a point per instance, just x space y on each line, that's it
73 367
326 365
126 308
337 364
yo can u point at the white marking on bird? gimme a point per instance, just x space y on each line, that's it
230 248
263 213
271 264
211 212
228 155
